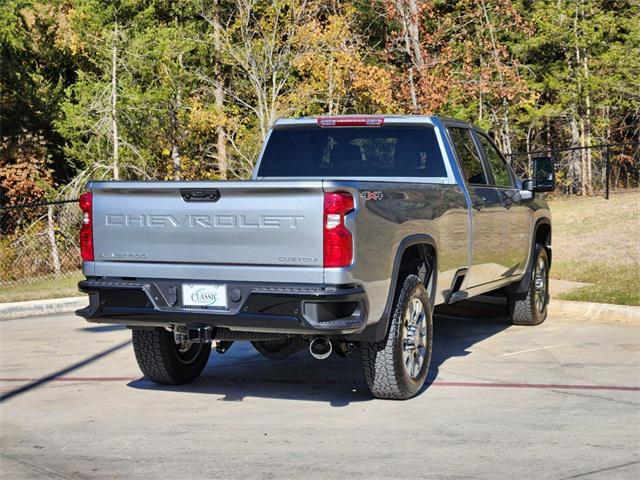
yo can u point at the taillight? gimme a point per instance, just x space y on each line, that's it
338 241
86 231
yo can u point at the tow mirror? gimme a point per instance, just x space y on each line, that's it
544 176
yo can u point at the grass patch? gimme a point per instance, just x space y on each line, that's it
52 287
619 285
597 241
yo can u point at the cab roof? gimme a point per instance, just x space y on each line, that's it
356 120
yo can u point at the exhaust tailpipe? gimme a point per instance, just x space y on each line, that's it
320 348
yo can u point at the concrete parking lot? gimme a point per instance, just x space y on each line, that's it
556 401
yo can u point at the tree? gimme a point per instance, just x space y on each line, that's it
95 121
333 74
260 44
459 60
189 89
587 82
36 66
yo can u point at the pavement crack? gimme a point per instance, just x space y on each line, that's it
597 397
606 469
36 468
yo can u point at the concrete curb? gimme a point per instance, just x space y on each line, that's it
13 310
602 312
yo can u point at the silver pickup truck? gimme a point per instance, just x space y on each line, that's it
350 232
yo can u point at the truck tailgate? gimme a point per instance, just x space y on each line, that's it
236 223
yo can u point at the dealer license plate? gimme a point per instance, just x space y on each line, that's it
212 297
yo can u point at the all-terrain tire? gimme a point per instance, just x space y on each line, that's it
278 349
530 308
161 359
385 370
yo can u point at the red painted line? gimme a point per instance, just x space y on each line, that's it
71 379
545 386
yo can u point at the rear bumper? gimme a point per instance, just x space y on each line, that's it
264 307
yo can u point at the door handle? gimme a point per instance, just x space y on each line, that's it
507 198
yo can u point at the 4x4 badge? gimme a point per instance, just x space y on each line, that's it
367 195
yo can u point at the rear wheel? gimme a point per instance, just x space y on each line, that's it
530 308
166 362
397 367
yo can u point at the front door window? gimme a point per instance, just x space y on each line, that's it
501 177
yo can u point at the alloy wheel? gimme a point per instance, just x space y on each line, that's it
540 284
414 346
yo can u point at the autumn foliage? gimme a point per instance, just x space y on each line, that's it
96 89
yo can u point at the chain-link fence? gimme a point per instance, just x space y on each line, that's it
39 241
593 170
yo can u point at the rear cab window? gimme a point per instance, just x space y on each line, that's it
387 151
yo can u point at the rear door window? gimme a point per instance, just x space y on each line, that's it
352 152
468 156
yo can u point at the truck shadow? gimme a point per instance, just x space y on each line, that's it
242 372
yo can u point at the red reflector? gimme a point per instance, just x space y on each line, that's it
86 230
338 241
350 121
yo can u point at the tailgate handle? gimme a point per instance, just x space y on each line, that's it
200 194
